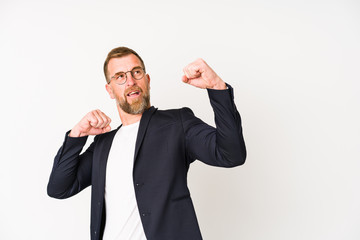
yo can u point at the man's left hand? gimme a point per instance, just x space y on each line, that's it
200 74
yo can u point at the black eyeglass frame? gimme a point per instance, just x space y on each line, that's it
131 72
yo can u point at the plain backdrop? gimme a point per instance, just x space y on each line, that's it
294 66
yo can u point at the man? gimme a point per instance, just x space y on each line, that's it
138 172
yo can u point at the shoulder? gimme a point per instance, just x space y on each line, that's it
171 114
167 118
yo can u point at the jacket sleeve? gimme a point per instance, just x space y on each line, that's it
71 172
222 146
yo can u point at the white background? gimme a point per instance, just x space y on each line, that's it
294 66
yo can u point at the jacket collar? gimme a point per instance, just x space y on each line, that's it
144 122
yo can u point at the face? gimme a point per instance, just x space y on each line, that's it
133 97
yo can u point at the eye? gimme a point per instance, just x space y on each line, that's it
120 76
137 72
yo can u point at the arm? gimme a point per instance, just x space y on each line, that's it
221 146
71 171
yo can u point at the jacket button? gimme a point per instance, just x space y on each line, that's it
145 214
99 203
95 232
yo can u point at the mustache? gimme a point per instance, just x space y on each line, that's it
133 88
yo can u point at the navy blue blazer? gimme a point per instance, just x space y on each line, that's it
167 142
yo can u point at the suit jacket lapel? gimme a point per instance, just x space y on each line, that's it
142 129
105 149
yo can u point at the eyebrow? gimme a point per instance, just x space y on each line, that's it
127 71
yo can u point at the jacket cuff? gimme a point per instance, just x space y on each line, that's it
226 93
75 140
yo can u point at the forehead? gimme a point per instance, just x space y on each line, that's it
123 64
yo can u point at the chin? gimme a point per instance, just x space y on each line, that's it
137 106
134 108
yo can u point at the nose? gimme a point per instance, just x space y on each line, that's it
130 81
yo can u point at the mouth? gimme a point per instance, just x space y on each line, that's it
133 93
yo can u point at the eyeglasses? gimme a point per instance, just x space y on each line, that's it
120 78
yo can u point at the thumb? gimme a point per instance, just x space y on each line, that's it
106 129
185 79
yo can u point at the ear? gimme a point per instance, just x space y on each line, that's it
109 90
148 78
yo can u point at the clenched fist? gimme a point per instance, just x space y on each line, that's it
94 123
200 74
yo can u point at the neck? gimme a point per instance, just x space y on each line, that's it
126 118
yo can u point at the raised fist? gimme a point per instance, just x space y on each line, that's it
200 74
93 123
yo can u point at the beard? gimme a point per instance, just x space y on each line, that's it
139 105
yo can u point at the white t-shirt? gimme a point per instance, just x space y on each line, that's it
122 215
